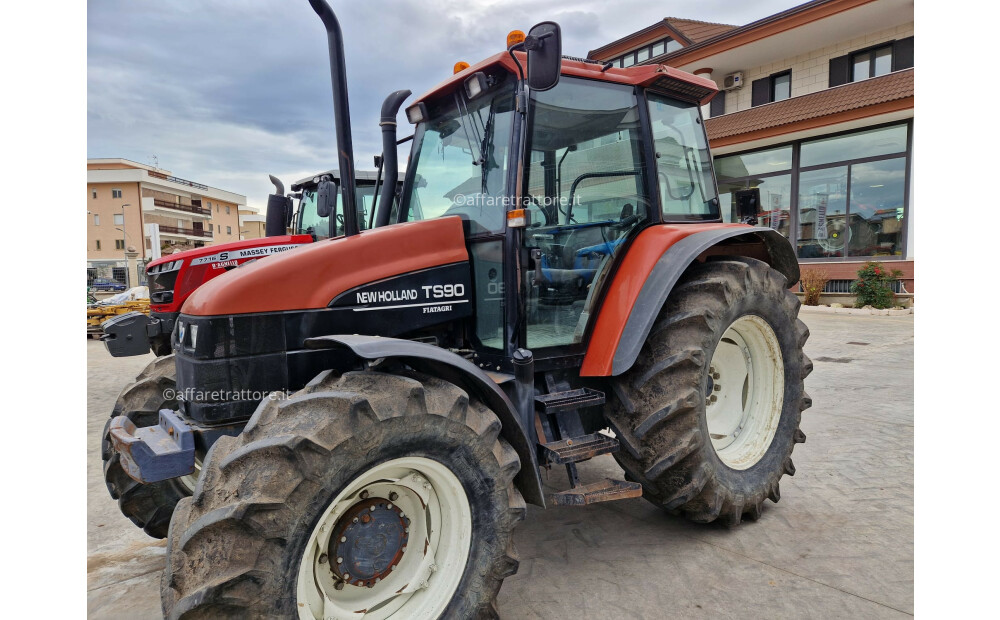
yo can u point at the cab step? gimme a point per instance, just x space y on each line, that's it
602 491
569 400
576 449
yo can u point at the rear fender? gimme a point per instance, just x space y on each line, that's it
615 343
463 373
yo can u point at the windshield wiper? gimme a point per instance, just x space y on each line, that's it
465 118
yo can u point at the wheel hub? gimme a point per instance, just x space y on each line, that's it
368 542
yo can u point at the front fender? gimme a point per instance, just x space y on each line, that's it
463 373
654 264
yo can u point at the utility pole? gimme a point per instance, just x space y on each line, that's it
128 277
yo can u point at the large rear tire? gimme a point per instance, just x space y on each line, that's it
148 506
280 522
709 413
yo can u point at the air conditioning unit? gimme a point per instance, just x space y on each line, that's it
733 81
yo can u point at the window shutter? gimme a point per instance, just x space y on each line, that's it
760 92
718 105
902 54
840 70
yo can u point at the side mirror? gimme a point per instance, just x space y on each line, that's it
326 198
748 205
544 47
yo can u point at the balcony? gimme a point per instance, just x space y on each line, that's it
191 232
159 175
166 204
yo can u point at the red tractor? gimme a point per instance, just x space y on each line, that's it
174 277
362 420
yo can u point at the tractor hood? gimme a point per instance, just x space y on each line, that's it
312 276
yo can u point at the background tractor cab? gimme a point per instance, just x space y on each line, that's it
307 219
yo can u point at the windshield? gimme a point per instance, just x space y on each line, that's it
459 161
309 223
683 163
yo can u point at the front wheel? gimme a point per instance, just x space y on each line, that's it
367 494
709 413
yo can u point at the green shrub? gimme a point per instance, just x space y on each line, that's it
874 286
813 281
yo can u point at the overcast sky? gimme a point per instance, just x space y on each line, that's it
224 92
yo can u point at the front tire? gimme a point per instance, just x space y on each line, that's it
709 413
148 506
277 525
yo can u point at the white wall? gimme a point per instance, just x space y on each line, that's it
810 70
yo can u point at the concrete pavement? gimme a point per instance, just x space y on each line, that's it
838 544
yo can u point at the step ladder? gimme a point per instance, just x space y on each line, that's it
559 417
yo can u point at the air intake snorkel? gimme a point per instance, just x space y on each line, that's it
390 164
341 113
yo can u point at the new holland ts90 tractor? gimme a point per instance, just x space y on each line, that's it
353 428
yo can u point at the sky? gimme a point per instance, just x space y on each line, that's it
225 92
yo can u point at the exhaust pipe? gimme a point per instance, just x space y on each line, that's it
341 113
279 208
390 165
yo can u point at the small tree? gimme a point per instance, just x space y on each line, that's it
813 281
874 286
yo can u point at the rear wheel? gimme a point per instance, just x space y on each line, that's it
367 494
148 506
709 413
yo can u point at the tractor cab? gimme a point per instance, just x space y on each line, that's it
554 183
307 219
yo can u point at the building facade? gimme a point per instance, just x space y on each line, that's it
816 110
126 199
252 224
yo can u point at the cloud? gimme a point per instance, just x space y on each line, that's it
225 92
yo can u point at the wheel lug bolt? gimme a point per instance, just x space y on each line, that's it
717 388
372 508
339 585
340 560
364 494
393 496
343 539
355 520
713 398
323 558
715 375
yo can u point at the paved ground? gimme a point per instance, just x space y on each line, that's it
839 544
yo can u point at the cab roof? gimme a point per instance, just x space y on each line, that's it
679 83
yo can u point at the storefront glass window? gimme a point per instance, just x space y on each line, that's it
877 208
823 213
760 162
858 145
775 201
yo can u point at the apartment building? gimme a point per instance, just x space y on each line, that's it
252 224
132 206
815 110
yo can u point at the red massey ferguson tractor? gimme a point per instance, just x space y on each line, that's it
362 420
174 277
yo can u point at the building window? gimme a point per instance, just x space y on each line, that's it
97 220
116 193
119 219
718 105
93 193
229 230
775 87
119 244
871 62
845 199
98 244
227 210
646 52
209 205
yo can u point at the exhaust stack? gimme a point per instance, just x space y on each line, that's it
279 208
390 165
341 113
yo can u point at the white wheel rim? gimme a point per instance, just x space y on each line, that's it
190 481
745 393
435 509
